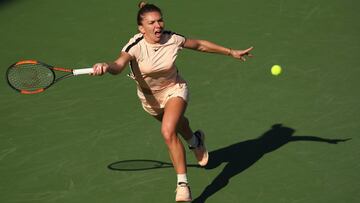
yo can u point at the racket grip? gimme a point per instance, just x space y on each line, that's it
83 71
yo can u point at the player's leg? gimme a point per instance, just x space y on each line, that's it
183 126
173 112
196 141
184 129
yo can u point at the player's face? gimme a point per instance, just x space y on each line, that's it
152 27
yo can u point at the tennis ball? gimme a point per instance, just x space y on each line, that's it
276 70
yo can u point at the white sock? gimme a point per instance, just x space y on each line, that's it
182 178
193 141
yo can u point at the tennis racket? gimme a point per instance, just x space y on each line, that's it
32 77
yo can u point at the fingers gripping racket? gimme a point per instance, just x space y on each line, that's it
31 76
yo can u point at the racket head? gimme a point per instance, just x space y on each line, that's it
30 76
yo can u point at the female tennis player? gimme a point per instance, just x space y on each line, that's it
162 91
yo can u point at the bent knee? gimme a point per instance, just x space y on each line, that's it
169 134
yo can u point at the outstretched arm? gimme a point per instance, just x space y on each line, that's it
115 67
210 47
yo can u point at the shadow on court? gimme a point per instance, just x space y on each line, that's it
239 157
142 165
242 155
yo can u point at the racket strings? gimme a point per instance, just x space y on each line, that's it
30 76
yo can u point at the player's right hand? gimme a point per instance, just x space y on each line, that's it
100 68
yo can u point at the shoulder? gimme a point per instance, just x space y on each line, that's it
136 39
172 34
178 38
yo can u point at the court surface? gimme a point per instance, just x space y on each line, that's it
271 139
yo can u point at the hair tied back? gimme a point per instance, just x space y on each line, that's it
142 4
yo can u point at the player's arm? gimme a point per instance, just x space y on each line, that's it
210 47
115 67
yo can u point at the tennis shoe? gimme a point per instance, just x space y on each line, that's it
200 151
183 193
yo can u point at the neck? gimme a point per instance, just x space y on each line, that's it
150 41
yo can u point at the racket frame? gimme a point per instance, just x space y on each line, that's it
70 73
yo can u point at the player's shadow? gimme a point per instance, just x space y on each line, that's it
242 155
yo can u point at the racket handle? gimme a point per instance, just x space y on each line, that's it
83 71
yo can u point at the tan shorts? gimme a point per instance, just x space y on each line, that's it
155 103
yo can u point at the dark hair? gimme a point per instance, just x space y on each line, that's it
146 8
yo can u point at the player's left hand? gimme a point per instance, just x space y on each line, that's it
241 54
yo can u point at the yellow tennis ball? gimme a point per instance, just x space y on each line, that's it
276 70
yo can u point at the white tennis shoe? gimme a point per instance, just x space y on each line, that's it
183 193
